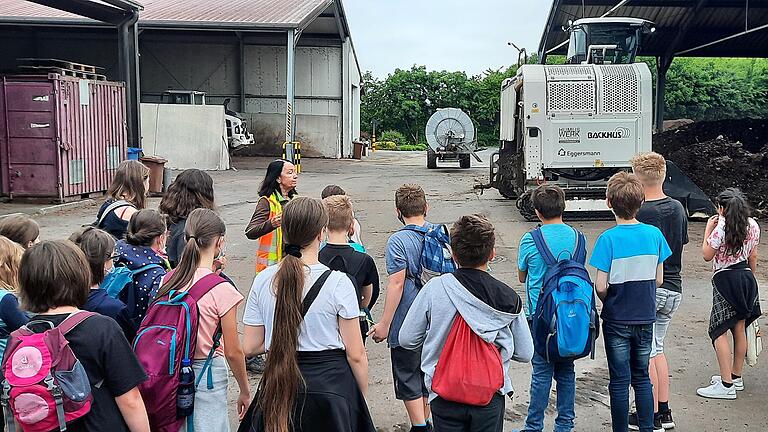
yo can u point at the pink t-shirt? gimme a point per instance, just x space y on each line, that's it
211 307
716 241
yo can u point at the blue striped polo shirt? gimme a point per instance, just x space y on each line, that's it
630 255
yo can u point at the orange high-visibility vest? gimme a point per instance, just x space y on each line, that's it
270 249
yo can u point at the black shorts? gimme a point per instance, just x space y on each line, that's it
407 374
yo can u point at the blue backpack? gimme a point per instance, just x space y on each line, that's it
436 257
116 280
565 324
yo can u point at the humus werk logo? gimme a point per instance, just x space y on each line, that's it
618 133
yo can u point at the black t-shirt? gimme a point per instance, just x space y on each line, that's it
113 370
359 266
668 215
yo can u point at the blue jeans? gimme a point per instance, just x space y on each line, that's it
541 383
628 348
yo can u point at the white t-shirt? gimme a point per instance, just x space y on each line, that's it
716 241
320 328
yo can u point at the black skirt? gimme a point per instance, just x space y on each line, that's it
330 402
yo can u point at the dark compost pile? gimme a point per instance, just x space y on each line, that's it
721 154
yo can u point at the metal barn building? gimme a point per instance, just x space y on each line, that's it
239 50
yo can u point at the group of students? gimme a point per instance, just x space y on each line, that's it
638 264
159 338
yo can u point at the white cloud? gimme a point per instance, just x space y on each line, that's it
452 35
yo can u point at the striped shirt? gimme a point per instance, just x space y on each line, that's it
630 255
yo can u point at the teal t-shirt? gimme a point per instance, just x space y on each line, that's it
561 240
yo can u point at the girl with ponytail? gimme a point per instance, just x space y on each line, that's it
730 242
143 252
204 232
307 317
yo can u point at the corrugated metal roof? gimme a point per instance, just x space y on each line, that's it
245 13
715 20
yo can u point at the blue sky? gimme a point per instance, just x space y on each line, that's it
454 35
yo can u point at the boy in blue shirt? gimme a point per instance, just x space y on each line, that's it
549 203
403 257
629 261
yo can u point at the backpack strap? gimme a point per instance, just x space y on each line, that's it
205 284
73 320
580 254
110 208
207 365
541 246
145 268
313 292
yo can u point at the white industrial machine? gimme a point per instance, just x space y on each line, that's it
450 135
236 126
576 124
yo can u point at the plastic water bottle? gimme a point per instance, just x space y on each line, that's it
185 395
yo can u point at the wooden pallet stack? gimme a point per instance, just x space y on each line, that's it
61 67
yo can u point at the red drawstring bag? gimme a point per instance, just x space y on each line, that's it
469 370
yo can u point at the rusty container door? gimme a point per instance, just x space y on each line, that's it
92 133
30 151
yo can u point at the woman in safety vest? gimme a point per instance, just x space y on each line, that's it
278 187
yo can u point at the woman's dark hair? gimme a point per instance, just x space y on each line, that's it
203 228
98 247
270 184
128 183
303 221
53 274
19 228
144 227
736 212
192 189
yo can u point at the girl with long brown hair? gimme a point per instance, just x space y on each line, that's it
730 242
192 189
127 195
217 312
307 318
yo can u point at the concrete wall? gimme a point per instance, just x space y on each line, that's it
188 136
319 135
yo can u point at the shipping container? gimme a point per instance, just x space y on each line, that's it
61 137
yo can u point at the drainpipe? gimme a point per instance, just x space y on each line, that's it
128 47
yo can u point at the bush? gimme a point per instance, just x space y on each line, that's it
412 147
386 145
394 136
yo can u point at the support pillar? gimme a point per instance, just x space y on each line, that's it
128 52
241 71
662 66
290 116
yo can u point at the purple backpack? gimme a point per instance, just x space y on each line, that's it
166 337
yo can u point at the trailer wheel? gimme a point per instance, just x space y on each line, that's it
464 161
431 159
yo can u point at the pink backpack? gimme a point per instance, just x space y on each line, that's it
166 337
45 386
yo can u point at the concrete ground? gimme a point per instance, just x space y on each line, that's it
372 182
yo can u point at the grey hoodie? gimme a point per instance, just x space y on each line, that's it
431 315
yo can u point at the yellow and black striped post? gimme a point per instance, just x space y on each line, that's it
292 153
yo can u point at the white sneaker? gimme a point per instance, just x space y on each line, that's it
738 383
717 391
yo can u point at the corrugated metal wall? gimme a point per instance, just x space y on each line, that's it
92 134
